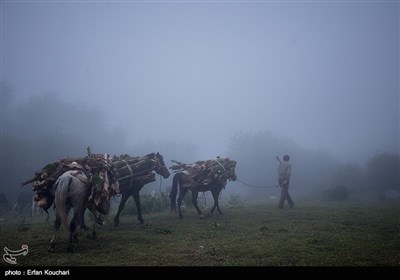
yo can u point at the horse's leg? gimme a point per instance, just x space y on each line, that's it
73 228
136 197
215 202
57 225
94 232
195 195
182 193
92 208
83 224
124 198
215 194
33 206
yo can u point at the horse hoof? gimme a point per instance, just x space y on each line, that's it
141 222
72 248
181 217
51 248
100 221
94 235
85 228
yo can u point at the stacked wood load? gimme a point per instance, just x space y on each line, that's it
96 167
130 170
206 172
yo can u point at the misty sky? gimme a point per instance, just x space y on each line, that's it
325 74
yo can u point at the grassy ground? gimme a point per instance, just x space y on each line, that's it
311 234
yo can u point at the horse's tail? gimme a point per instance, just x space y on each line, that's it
174 191
61 196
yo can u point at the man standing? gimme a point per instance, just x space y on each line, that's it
284 171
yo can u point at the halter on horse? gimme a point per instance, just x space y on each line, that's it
132 187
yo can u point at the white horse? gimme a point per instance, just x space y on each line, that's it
72 190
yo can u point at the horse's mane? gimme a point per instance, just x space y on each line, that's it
151 155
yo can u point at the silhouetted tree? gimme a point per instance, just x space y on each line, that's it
339 192
43 129
383 172
7 95
350 175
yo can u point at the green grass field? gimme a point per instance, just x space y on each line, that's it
311 234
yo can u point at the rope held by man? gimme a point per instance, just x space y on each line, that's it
260 187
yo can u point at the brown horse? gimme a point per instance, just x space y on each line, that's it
133 188
185 183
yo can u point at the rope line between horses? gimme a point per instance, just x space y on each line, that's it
254 186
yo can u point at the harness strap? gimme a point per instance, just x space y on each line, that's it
130 172
132 175
75 175
223 167
260 187
80 172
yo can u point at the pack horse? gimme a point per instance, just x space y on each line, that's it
203 176
133 174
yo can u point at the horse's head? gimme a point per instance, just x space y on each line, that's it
160 166
233 176
232 173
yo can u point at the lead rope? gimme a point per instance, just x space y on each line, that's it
254 186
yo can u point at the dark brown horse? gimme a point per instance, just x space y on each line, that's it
185 183
132 188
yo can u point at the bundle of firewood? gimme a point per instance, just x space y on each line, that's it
134 169
207 171
97 168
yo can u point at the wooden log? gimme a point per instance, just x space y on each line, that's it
218 169
137 168
121 163
95 164
143 178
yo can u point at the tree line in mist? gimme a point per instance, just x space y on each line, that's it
44 128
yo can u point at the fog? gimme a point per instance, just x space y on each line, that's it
192 79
